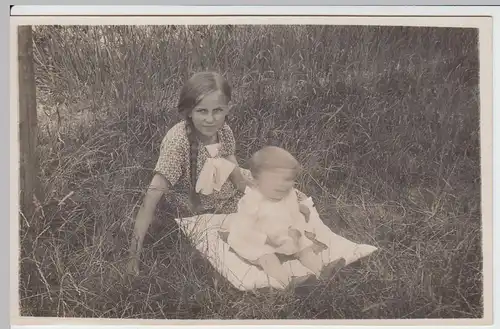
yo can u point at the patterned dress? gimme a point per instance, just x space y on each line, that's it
174 164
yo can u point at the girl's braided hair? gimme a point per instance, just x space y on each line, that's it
194 90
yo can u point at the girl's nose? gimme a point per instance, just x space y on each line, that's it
210 118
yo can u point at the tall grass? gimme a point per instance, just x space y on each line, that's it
384 119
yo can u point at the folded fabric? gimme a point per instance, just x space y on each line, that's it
204 233
214 173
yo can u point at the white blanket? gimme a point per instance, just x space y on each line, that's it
203 233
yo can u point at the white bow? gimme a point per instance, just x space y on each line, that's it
215 171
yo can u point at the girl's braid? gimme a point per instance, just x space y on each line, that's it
194 147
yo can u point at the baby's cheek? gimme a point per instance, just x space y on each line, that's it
269 186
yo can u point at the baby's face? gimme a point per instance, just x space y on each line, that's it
275 184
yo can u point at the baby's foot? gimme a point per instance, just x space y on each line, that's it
332 269
301 280
299 284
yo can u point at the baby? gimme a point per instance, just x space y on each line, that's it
271 221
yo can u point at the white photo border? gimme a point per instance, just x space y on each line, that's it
435 16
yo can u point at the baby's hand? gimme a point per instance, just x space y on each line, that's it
288 244
275 241
294 234
305 211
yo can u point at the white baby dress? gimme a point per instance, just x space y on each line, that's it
259 218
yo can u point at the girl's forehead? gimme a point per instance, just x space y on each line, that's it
213 100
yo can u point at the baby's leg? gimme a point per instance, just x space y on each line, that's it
272 267
311 260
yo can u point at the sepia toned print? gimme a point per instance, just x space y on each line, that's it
383 120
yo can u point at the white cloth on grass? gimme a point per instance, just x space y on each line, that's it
203 233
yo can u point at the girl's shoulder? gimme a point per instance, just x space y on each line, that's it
227 128
177 133
175 140
226 138
179 129
227 132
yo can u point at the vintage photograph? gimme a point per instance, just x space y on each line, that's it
250 172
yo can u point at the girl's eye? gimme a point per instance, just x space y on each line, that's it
201 110
218 110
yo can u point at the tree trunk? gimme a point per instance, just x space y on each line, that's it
27 122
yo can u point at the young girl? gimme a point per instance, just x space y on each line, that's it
270 219
196 165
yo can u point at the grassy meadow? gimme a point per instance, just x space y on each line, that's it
385 121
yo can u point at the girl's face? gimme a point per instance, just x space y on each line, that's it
275 184
210 114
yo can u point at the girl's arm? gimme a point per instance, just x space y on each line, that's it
157 188
236 176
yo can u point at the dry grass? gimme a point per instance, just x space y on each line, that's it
385 120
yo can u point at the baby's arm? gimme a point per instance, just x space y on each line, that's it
294 233
287 242
243 237
282 239
275 241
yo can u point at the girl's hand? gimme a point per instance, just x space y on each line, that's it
305 211
144 217
133 266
